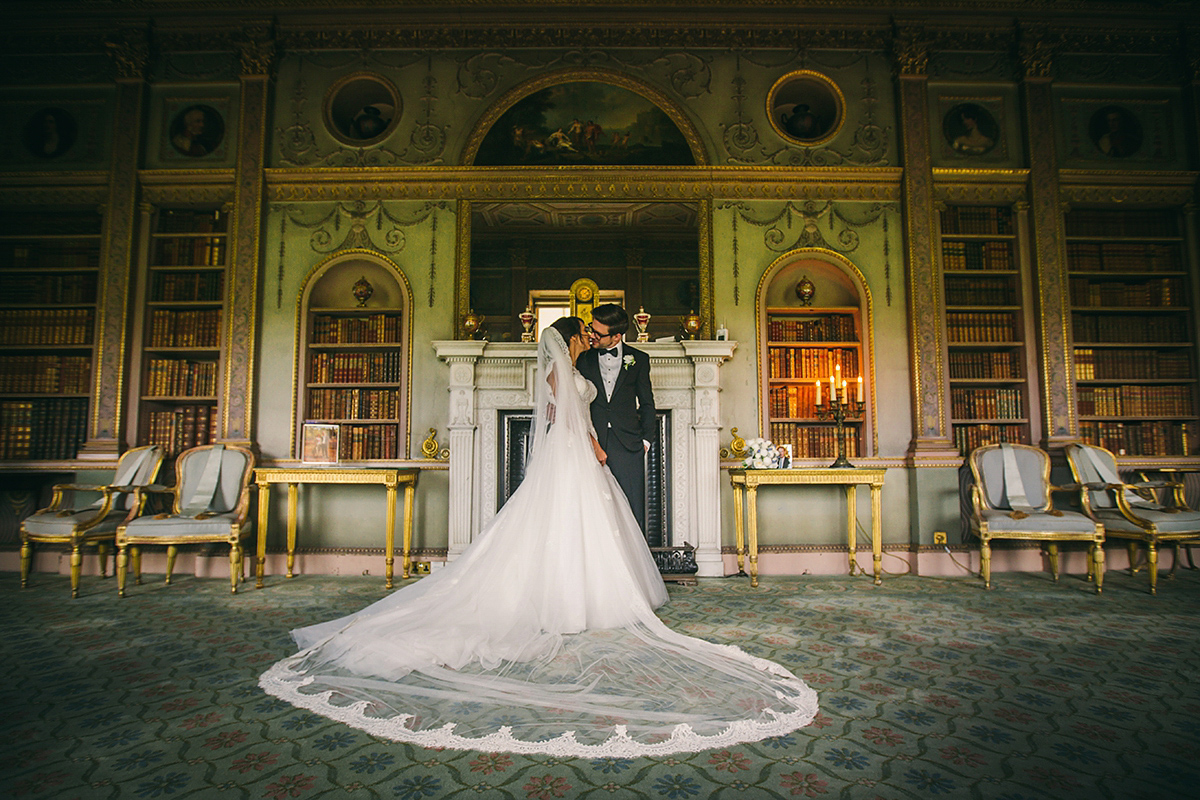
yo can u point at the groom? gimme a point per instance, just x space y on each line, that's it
623 411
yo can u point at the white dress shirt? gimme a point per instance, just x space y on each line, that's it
610 369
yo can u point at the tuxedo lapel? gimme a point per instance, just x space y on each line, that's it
621 370
589 367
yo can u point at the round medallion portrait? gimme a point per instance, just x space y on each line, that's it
196 130
806 107
49 133
970 129
1116 131
362 109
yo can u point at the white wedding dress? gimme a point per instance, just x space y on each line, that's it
541 637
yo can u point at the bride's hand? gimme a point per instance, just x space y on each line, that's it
601 456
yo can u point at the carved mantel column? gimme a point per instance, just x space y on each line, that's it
707 357
931 431
1060 424
129 53
461 356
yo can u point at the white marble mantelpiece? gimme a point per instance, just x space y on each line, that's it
487 378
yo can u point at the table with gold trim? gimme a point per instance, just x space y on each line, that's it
294 476
745 503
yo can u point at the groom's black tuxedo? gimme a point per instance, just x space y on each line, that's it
624 420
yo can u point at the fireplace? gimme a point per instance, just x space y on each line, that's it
491 389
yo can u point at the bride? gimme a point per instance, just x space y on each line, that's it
541 637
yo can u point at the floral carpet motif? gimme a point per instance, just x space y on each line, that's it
929 687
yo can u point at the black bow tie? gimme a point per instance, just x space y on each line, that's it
612 352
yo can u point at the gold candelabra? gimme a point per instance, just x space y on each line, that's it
838 407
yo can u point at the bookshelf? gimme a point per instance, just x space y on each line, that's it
1133 332
49 271
986 354
354 374
181 352
804 345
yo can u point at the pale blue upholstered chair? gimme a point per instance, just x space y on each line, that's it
94 524
1133 511
1011 499
211 503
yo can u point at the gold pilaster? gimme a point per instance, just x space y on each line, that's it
129 56
1060 424
931 434
241 305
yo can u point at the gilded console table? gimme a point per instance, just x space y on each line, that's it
745 487
294 476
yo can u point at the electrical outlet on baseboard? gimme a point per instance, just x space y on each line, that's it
939 537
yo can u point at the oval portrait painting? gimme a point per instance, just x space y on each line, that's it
362 109
197 130
806 107
1115 131
970 129
49 133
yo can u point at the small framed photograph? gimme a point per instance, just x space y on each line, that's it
786 449
319 444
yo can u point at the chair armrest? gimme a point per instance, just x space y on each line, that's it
80 487
155 488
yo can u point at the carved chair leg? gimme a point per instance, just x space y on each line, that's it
1052 551
136 553
26 562
1098 565
1133 557
122 572
102 553
1152 565
985 563
1174 563
76 567
235 566
172 552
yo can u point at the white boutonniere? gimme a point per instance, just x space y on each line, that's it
628 361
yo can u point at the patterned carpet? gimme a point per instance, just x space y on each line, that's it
928 687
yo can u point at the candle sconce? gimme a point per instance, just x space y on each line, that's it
839 408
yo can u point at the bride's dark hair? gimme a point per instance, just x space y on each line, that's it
568 328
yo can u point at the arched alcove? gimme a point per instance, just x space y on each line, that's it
353 357
814 315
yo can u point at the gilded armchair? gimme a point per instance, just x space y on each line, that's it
210 504
94 524
1133 511
1011 499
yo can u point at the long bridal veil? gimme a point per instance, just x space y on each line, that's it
541 637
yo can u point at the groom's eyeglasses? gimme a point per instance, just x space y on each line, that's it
593 332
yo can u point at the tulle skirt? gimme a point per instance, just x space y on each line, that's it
541 638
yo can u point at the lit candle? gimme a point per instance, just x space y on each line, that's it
818 393
832 390
860 389
845 394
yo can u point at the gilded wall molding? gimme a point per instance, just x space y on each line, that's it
53 195
980 185
663 32
586 183
130 53
1142 188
